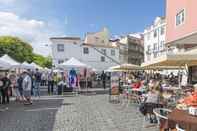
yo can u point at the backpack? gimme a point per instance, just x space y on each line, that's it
19 81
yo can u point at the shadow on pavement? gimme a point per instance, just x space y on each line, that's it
37 117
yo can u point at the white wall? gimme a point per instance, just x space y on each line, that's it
150 40
76 50
99 40
94 58
70 50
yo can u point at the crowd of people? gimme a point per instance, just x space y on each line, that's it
24 85
150 91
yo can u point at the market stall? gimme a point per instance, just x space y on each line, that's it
10 61
4 65
124 82
73 68
35 66
26 65
181 60
183 119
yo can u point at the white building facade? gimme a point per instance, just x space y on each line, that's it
154 40
96 50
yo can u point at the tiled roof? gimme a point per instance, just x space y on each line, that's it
66 38
99 45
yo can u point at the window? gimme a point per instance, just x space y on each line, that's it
103 51
148 36
96 39
85 50
102 59
60 61
60 48
180 17
161 45
155 47
103 41
155 33
162 30
148 49
113 53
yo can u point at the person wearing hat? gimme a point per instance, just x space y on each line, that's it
15 91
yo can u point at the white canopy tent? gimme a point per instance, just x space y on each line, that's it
26 65
46 69
4 65
6 58
35 66
73 63
76 64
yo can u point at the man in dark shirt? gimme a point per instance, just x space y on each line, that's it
4 88
37 76
103 78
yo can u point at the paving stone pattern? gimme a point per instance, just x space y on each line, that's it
71 113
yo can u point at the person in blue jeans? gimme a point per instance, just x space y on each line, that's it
37 82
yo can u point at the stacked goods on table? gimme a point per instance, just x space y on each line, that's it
189 101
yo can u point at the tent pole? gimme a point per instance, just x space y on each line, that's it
179 77
86 85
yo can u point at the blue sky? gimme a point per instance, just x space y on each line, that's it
76 17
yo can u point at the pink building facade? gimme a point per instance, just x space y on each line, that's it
181 18
181 28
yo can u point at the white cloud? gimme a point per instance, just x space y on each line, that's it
36 32
7 1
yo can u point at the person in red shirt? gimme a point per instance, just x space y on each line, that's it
136 85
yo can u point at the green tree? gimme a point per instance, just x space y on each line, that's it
48 62
22 51
43 61
16 48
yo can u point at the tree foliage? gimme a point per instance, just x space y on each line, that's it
16 48
43 61
22 51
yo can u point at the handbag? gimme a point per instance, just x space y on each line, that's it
142 109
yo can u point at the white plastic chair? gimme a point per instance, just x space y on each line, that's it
178 128
159 116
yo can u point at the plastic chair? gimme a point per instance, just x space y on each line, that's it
159 113
178 128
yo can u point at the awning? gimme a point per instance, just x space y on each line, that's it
190 39
160 67
173 60
124 67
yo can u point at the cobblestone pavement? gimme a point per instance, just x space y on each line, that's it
71 113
